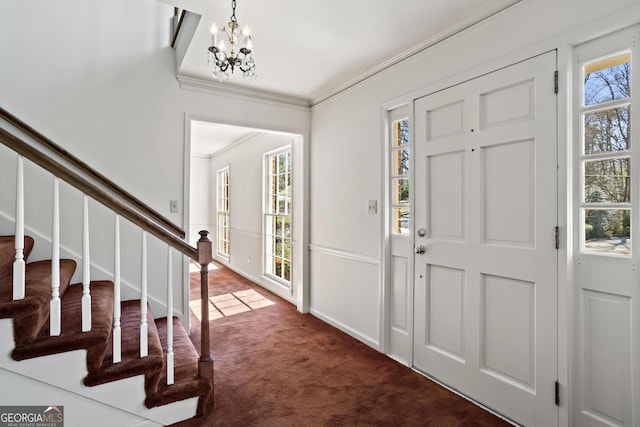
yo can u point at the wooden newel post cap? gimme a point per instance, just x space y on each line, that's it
204 248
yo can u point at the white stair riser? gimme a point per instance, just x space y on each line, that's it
66 371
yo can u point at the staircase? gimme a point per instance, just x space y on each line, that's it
31 333
81 339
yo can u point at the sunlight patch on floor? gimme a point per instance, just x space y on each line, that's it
232 303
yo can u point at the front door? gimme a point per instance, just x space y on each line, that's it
486 259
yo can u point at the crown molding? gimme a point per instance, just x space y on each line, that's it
230 90
412 51
236 143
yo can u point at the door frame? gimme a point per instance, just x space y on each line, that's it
563 49
300 288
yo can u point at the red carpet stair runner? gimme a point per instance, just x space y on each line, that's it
31 331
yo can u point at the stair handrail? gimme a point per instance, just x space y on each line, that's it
97 193
91 172
124 204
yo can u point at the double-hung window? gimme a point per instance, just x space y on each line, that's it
277 216
222 209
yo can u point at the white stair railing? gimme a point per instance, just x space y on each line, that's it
54 305
86 267
117 340
169 318
144 345
19 265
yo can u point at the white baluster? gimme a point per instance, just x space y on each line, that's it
86 266
144 347
117 347
169 318
18 264
54 305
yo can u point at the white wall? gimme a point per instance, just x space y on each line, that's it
98 78
246 166
203 183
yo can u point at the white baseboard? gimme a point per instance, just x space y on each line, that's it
347 330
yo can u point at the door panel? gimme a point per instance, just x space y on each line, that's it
606 319
508 172
446 311
446 191
486 287
400 291
508 338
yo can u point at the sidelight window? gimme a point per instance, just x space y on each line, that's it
605 157
400 211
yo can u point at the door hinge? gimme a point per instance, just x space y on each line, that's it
557 393
557 237
555 82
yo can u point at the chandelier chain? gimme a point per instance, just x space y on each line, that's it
233 7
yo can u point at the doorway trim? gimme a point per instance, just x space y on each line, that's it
300 152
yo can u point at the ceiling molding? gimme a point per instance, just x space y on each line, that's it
236 143
402 56
227 89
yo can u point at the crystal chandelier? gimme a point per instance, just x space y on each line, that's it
221 60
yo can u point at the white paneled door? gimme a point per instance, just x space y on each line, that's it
486 258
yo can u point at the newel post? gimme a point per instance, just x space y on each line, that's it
205 364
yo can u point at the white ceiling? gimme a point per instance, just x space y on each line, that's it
208 139
311 49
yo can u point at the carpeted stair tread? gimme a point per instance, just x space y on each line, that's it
187 383
131 363
30 313
71 336
8 253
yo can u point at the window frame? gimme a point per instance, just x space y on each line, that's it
586 58
222 212
396 203
271 217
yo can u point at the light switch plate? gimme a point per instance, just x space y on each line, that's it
173 206
372 207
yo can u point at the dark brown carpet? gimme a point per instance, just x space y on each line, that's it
277 367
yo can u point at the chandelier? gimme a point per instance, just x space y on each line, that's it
239 53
